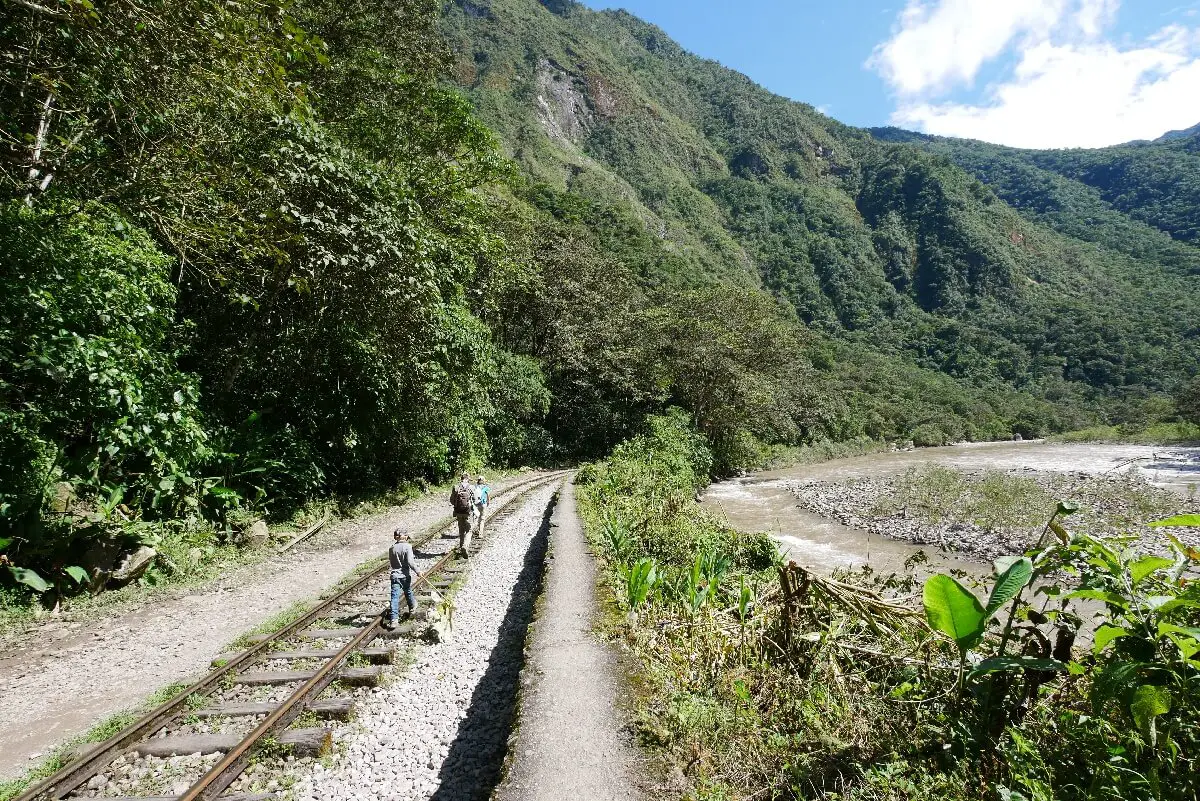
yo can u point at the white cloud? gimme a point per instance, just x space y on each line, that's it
937 45
1070 87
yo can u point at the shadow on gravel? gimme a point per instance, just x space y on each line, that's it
472 768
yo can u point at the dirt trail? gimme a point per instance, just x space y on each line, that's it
59 687
570 742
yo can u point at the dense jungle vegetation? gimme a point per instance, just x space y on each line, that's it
261 253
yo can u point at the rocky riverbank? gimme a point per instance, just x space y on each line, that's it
987 514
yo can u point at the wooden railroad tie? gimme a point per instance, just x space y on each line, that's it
332 709
376 656
352 676
303 742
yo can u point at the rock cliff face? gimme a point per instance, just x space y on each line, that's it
562 105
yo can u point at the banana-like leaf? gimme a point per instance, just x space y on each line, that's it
1104 635
1009 583
1179 520
23 575
953 610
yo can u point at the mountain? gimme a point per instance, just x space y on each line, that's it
1156 184
1183 134
1063 274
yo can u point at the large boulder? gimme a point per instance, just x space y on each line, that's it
256 535
132 567
100 560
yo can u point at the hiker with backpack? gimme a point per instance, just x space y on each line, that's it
462 498
482 491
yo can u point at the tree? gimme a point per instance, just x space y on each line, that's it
1187 401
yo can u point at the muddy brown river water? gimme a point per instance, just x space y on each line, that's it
761 502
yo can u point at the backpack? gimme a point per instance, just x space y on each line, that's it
461 498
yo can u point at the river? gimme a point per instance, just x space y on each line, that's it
760 502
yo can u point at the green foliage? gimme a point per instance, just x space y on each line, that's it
845 690
1187 402
1143 664
639 583
90 395
240 246
688 174
954 610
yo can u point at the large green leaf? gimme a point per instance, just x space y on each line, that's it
1186 638
29 578
953 610
5 542
999 663
1143 567
1009 583
1177 603
1179 520
77 573
1148 703
1106 634
1113 598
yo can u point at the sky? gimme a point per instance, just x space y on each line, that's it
1026 73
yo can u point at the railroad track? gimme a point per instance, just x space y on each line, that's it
338 630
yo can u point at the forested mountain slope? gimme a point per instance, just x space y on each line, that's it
1094 194
875 242
253 255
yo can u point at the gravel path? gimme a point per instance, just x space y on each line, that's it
570 742
441 730
58 688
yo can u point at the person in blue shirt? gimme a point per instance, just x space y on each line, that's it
482 491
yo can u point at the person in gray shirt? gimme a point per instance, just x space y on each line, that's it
404 571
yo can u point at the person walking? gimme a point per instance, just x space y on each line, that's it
462 498
404 570
482 491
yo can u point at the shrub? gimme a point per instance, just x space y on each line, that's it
90 396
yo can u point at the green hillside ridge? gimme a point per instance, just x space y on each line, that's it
258 258
1121 195
876 243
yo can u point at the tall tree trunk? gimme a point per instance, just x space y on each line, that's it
35 156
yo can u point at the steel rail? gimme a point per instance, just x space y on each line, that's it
75 773
226 771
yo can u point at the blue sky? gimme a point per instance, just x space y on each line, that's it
1030 73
